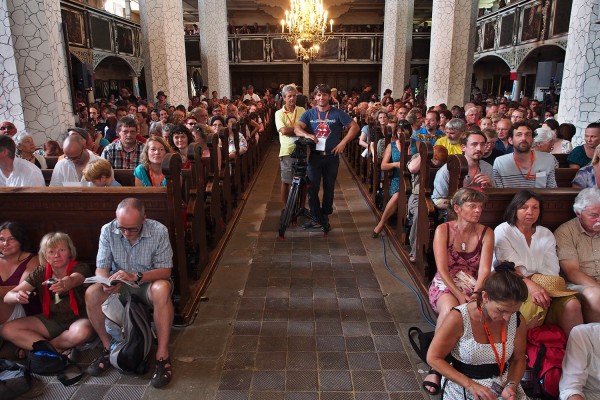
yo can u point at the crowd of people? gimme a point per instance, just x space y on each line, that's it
506 145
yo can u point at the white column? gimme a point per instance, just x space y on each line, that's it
451 51
306 79
580 89
136 86
214 51
397 45
516 90
164 49
34 88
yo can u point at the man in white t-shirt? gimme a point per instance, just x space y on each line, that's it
251 95
16 171
69 171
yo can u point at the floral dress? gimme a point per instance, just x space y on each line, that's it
395 181
468 351
468 262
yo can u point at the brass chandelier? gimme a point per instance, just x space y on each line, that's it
305 26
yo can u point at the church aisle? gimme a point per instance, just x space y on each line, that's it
300 318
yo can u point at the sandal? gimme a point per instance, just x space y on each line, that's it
100 364
162 373
428 385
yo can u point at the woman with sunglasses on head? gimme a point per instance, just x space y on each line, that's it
486 340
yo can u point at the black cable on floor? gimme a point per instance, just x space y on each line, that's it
411 288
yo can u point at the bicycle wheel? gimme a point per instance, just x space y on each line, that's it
288 212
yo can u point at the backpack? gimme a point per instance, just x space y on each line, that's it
129 353
545 352
15 380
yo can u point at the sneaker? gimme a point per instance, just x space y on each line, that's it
326 228
311 224
100 364
163 372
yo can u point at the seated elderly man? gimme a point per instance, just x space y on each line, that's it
17 171
454 131
578 248
69 171
8 128
581 371
134 249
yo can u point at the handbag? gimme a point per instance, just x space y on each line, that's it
44 359
424 339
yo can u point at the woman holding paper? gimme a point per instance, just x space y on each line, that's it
58 282
463 251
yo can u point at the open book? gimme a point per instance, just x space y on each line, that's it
109 282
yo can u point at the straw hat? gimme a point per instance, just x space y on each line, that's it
554 285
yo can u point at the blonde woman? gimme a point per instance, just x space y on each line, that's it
149 172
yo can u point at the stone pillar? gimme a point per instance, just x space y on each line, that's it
214 51
164 49
397 46
306 80
451 51
34 88
580 89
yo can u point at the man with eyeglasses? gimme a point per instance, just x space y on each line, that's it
69 170
524 168
8 128
17 172
124 153
135 249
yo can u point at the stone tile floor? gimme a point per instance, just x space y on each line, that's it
308 317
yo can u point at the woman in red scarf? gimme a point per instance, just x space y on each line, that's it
62 320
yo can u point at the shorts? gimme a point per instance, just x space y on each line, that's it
53 326
550 316
142 291
287 169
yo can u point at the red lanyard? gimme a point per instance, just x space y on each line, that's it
319 116
127 165
292 123
478 170
501 363
529 176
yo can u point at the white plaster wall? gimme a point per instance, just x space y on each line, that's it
397 45
37 94
164 49
213 46
580 91
451 51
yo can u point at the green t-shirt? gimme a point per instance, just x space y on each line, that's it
62 311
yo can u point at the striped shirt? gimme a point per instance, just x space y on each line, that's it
152 249
506 174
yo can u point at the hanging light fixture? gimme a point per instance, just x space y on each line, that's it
305 26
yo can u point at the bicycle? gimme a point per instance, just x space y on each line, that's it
294 207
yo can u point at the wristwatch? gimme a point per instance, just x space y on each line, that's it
139 278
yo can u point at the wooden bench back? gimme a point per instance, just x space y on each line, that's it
564 176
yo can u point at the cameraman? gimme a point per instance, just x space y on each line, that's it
324 125
285 119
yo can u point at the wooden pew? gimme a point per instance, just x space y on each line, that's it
82 211
564 176
426 211
562 160
51 161
196 214
212 190
404 189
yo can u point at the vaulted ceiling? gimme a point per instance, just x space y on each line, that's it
272 11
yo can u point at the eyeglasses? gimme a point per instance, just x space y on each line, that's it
7 127
130 230
75 158
9 239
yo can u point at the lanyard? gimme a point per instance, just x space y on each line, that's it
501 363
529 176
319 117
127 165
292 123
